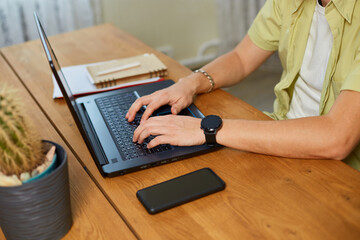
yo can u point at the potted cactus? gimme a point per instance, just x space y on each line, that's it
21 149
34 186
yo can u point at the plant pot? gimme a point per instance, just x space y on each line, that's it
47 171
39 209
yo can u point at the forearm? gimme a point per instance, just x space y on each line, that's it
234 72
229 68
331 136
308 138
226 70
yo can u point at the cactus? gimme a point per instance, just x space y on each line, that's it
20 146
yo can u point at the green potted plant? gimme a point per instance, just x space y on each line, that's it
34 185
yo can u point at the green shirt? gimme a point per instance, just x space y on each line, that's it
284 25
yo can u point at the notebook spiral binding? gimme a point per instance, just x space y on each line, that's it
152 74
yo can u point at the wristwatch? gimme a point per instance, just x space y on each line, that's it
211 124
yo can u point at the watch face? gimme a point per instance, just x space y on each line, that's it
211 123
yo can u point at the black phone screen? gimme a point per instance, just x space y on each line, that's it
180 190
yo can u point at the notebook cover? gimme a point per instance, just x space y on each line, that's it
149 66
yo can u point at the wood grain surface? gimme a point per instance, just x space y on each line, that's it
93 216
266 197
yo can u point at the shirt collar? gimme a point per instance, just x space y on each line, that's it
345 8
297 4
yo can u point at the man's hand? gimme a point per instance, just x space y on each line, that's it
178 96
170 129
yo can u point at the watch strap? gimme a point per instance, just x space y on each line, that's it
210 138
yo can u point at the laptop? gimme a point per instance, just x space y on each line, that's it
108 135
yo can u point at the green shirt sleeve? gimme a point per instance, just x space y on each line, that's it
265 30
352 81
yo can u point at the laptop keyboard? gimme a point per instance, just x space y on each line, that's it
113 109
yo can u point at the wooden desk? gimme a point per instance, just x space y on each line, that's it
266 197
90 209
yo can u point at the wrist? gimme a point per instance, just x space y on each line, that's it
191 84
196 83
211 124
205 74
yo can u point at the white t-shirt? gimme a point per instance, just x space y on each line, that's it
307 92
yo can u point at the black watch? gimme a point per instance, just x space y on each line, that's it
211 124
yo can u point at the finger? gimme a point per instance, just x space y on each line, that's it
137 132
180 104
130 115
176 108
145 133
147 113
135 107
142 131
150 130
162 139
151 107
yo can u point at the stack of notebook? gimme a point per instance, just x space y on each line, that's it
115 74
125 70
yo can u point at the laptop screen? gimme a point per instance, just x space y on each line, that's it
58 74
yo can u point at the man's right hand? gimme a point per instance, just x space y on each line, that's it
178 96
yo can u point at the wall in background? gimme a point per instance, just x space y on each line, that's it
177 27
193 32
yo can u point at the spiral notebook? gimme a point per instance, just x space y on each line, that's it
125 70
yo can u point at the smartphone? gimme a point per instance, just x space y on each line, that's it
180 190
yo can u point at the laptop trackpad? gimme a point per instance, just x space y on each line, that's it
166 110
163 110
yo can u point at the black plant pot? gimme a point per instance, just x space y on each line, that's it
39 209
